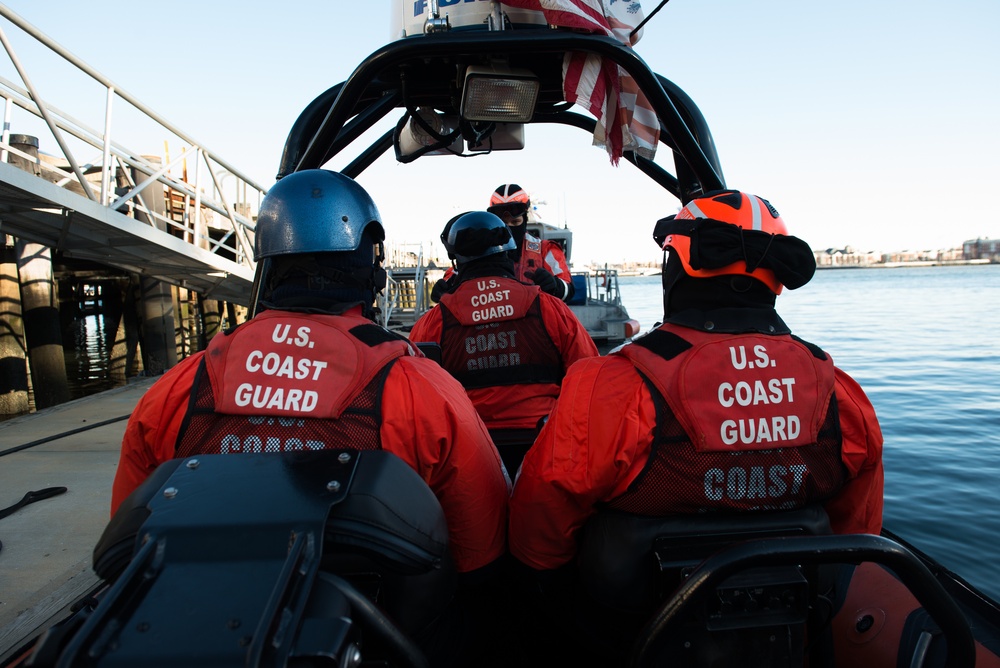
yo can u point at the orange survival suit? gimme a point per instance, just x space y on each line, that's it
509 344
290 381
690 421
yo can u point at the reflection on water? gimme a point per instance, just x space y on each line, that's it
87 361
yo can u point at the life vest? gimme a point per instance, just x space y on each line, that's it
744 422
492 333
531 258
289 381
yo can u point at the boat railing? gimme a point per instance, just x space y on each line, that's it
602 286
193 193
407 293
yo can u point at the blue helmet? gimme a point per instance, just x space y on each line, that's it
314 211
328 217
476 234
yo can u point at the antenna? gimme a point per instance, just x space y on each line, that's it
646 20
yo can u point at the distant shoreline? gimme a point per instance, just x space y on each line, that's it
901 265
622 273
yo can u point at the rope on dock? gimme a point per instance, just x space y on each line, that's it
55 437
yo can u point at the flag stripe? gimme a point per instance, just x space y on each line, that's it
625 119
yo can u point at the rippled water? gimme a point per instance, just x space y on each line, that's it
87 363
924 343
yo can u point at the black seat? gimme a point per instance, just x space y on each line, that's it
629 565
389 538
220 548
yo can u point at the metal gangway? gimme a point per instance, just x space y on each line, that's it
407 293
184 217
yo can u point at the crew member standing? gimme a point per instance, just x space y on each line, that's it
508 343
538 261
720 408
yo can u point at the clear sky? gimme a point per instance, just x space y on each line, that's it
871 124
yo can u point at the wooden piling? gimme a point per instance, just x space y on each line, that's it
133 326
42 331
13 368
211 319
121 330
159 346
29 145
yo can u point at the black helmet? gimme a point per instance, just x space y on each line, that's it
474 235
509 197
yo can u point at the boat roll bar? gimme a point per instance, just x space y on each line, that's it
420 70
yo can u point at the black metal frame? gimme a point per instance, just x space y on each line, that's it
422 70
913 572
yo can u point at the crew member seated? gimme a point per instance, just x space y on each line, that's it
719 409
508 343
311 370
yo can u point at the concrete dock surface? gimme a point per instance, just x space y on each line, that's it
45 558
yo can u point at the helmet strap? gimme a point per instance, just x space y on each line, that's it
763 254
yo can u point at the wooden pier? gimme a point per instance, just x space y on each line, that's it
45 559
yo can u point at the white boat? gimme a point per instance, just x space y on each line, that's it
596 302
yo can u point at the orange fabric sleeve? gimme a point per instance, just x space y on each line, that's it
566 331
557 256
428 328
596 441
151 432
857 508
429 422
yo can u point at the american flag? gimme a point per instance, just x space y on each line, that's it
626 121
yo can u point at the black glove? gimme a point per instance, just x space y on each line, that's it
443 287
547 282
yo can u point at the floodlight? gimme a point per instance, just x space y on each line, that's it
499 94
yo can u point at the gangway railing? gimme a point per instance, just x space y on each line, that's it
194 194
407 294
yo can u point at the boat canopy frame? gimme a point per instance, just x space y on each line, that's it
425 71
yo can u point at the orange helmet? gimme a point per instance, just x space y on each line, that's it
707 249
509 196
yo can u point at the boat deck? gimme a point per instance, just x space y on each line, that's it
45 559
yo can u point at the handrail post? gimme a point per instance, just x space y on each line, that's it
7 108
197 224
106 163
